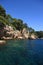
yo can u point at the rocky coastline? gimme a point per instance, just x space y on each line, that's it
10 33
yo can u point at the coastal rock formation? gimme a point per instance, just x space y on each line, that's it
25 33
17 34
33 36
9 33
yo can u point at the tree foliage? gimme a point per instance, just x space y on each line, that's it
39 34
19 25
2 11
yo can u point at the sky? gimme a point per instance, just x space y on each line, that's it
30 11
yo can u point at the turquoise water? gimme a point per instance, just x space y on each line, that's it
22 52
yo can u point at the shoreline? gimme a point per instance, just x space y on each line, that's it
2 42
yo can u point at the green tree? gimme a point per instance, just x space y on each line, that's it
19 25
2 11
3 23
4 20
39 34
9 18
31 30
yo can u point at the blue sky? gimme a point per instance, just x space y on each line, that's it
30 11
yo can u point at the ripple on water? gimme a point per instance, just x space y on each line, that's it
22 52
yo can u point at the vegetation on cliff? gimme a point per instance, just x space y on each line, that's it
17 24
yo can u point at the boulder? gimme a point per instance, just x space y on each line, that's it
33 36
25 33
17 34
2 42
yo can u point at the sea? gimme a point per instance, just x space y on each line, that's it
22 52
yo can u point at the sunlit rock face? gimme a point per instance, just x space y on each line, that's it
2 42
17 34
9 31
33 36
25 33
8 28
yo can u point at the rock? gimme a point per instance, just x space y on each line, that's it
25 33
17 34
20 38
6 38
2 42
33 36
9 32
8 28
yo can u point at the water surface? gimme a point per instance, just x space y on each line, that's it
22 52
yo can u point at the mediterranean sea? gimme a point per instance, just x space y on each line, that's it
22 52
